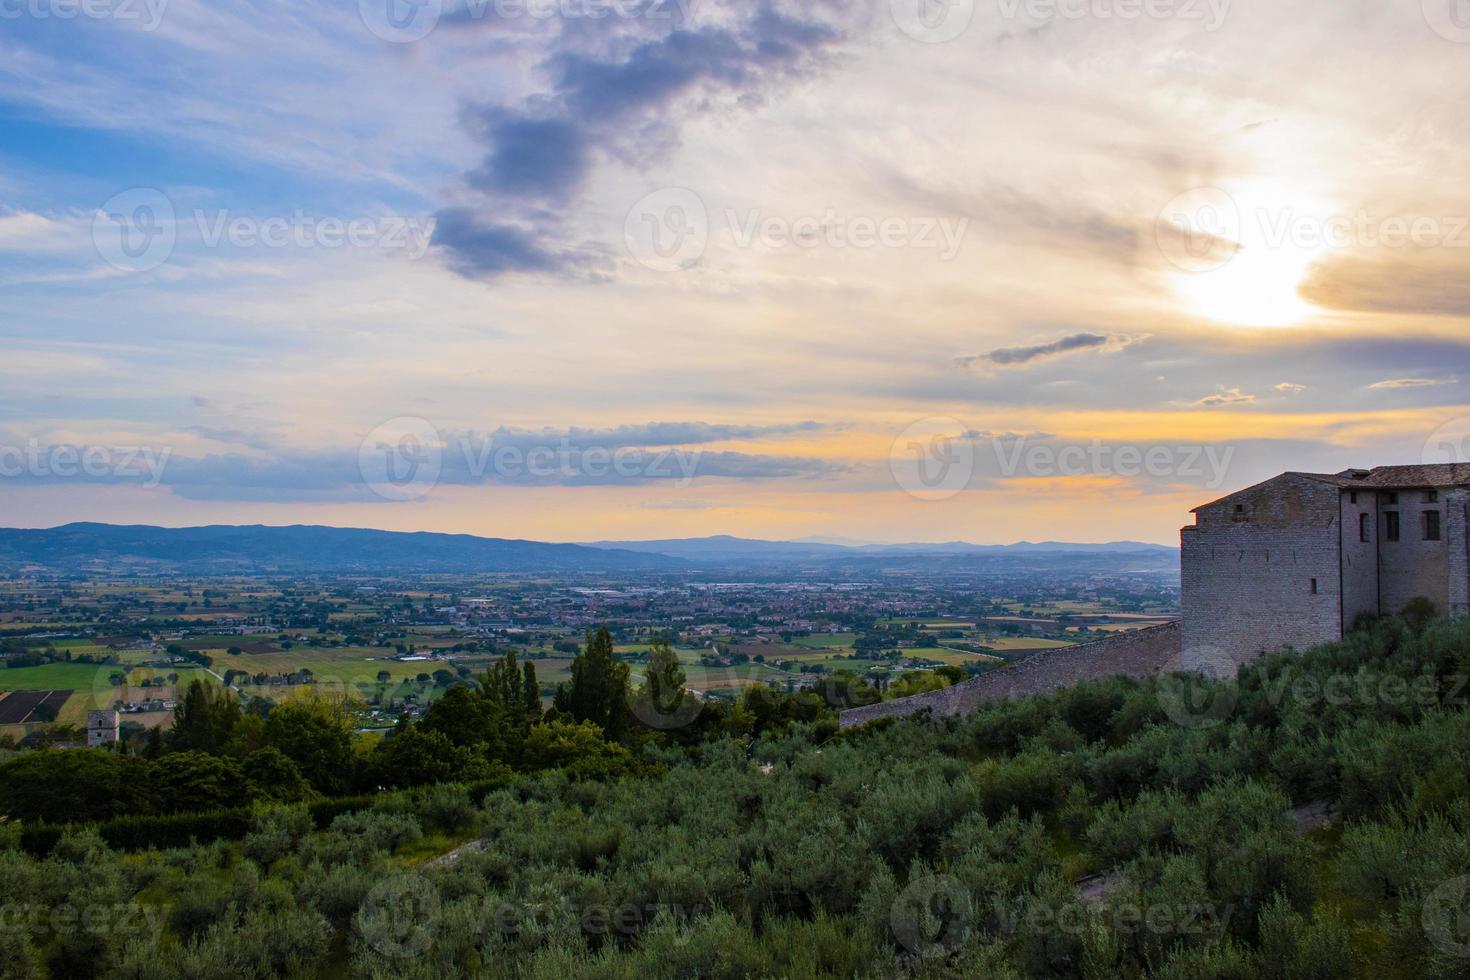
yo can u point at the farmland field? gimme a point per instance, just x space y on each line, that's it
54 677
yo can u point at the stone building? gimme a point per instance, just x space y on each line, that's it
101 728
1294 561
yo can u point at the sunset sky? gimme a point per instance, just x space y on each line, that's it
991 271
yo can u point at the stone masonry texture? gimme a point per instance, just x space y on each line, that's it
1136 654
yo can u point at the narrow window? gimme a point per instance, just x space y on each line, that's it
1431 525
1363 527
1393 498
1352 496
1431 497
1390 525
1314 586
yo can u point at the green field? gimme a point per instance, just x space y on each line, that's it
823 641
55 677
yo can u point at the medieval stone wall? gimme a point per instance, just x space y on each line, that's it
1265 568
1135 654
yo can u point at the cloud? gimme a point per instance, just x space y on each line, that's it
1012 356
24 230
647 435
1225 396
619 100
542 158
1291 388
1421 281
478 246
1413 382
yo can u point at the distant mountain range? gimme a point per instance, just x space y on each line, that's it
258 549
255 549
726 548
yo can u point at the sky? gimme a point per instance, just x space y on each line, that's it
884 270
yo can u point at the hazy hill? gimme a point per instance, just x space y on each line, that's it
256 548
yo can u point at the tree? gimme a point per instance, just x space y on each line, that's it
598 691
467 718
192 781
271 776
78 784
384 677
316 734
204 718
415 756
515 692
580 750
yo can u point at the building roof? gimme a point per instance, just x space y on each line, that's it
1426 476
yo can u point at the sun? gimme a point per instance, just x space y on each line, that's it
1269 239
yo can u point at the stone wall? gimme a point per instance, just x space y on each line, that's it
1457 533
1248 566
1412 567
1134 654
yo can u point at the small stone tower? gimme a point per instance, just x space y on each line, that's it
101 728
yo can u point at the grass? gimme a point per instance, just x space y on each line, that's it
55 677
